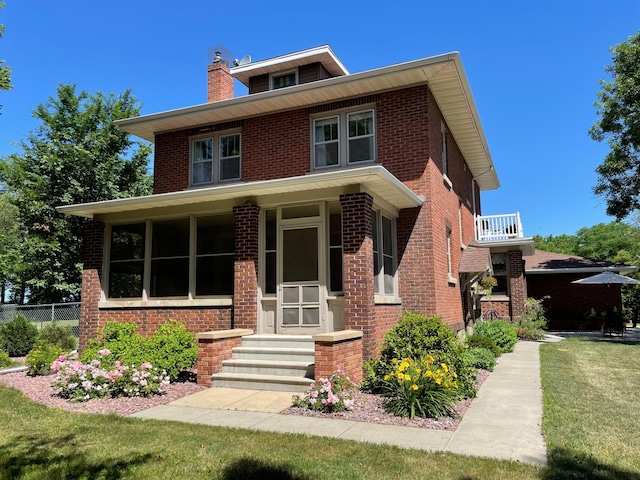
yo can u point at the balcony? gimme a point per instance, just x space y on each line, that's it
496 228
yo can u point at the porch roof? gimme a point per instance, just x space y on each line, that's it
375 180
475 259
443 73
543 262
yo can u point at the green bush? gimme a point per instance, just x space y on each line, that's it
18 336
503 333
533 321
39 359
57 334
5 361
481 358
480 341
171 348
415 336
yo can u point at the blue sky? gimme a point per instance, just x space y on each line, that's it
533 68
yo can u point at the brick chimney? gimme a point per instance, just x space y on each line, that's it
220 81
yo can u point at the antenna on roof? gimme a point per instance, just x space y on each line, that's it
243 61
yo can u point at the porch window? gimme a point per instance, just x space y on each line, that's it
384 257
347 138
215 159
177 264
335 248
126 265
499 262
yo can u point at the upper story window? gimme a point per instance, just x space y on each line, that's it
215 159
282 80
347 138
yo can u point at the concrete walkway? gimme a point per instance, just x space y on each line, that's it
503 422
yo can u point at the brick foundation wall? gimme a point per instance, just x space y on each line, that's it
518 288
213 348
386 318
331 354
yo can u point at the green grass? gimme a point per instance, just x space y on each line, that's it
591 392
41 443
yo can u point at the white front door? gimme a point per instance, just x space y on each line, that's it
300 290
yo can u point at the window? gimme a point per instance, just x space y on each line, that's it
178 265
215 159
357 131
335 247
449 253
443 135
282 80
384 257
499 262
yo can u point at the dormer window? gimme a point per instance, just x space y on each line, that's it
282 80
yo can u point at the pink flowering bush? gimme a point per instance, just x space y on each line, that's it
79 381
328 395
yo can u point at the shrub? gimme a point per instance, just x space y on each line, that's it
481 358
18 336
416 336
57 334
480 341
421 388
171 348
533 321
39 359
500 331
5 361
327 395
79 381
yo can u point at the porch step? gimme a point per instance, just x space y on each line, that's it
269 362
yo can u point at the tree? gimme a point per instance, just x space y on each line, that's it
619 110
9 244
75 156
5 70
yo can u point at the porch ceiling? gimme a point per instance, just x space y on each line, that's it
443 73
373 179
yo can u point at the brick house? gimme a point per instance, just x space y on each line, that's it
321 205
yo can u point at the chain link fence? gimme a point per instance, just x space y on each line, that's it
66 314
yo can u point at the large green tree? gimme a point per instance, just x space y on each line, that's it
618 107
76 155
10 241
5 70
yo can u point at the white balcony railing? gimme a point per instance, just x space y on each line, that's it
492 228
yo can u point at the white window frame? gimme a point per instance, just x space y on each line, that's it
343 138
381 296
216 160
282 74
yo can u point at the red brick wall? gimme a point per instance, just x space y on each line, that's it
345 354
220 82
518 289
357 246
171 162
245 283
91 277
568 303
211 353
386 318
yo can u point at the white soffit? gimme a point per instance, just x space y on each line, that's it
375 179
443 73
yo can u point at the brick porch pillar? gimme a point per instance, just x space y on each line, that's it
92 252
245 282
517 283
357 244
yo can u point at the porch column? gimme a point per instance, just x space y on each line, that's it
92 252
517 283
357 244
245 281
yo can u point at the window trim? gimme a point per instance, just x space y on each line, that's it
381 296
216 160
343 137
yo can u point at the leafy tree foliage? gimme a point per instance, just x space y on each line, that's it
10 239
5 70
619 124
75 156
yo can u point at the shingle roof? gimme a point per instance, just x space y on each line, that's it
549 262
475 259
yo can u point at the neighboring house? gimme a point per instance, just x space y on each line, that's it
323 203
570 306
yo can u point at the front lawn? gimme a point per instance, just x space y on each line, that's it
591 391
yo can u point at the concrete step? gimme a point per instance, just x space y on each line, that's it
278 341
268 367
278 383
274 353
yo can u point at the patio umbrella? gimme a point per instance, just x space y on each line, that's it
607 278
